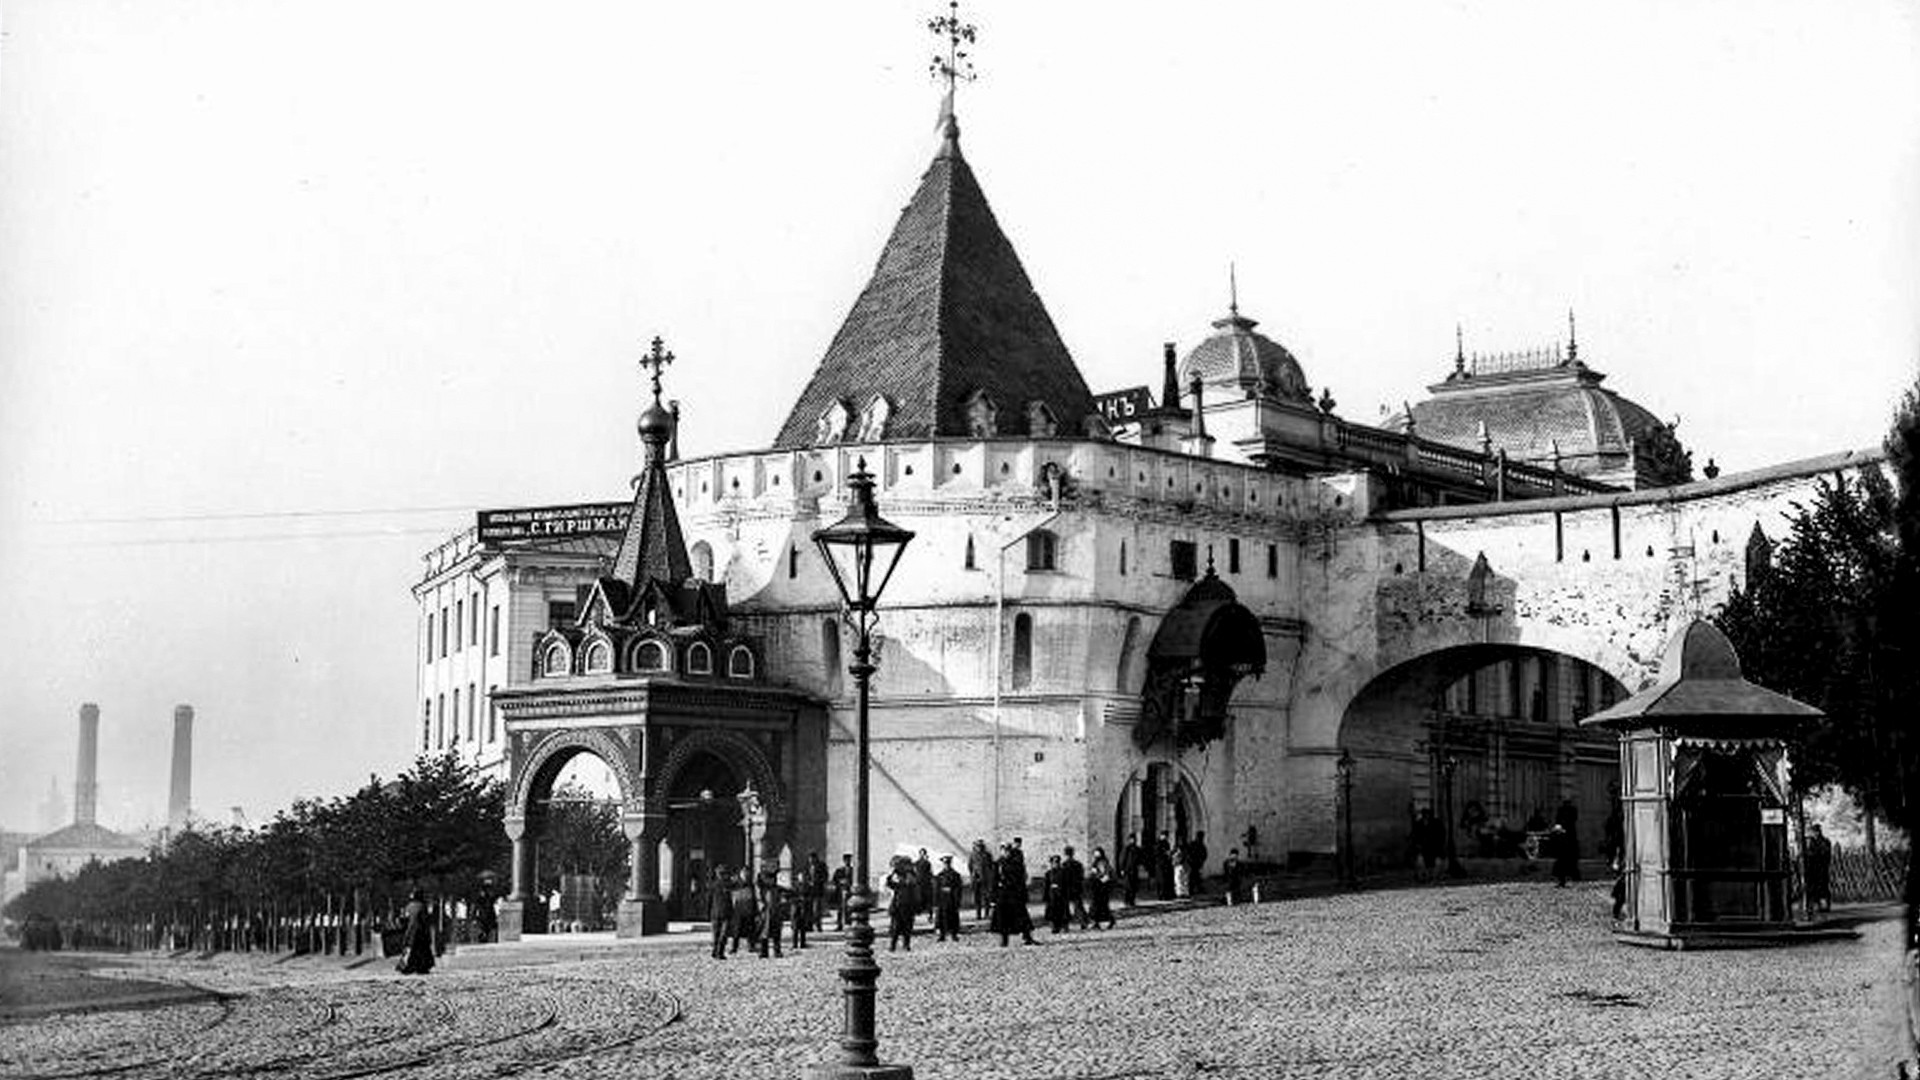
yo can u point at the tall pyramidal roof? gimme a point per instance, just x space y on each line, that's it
653 548
948 313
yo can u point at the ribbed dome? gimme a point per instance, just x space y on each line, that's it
1255 364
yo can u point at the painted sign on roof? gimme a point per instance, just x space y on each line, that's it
547 522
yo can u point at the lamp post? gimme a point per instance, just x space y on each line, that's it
861 551
1344 763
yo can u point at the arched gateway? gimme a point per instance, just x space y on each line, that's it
714 765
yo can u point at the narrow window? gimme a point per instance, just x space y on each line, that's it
455 727
1123 558
459 622
443 633
473 627
493 631
1233 556
970 564
793 562
429 637
699 659
1616 532
440 720
1273 560
830 655
1022 651
471 698
493 720
426 724
702 561
1559 536
740 662
1184 557
1040 550
1420 538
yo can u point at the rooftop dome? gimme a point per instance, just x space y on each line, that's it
1235 356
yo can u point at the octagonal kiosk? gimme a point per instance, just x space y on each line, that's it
1703 791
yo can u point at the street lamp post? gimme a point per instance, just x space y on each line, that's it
1344 763
861 551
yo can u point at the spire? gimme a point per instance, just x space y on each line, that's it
1459 350
1573 340
1233 291
653 547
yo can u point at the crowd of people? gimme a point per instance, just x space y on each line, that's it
770 915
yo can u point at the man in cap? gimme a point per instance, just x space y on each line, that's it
947 885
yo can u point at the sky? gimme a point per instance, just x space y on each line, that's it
289 289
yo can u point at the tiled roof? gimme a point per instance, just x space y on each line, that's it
1527 412
948 312
86 836
653 548
1234 354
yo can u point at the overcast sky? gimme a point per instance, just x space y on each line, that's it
290 289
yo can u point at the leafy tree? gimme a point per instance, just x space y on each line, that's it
581 835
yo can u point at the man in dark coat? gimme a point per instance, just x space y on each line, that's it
773 901
842 890
1163 865
1010 914
946 900
746 914
904 903
1819 860
418 956
720 909
1230 870
980 869
923 881
1197 861
1073 886
1130 868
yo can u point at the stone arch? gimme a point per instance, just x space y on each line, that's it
737 751
1143 810
551 754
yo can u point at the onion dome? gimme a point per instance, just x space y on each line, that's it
1236 358
656 424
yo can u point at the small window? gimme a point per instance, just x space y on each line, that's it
429 637
650 656
559 614
426 724
1233 556
703 561
440 720
1184 556
740 662
493 720
555 662
1022 651
699 659
793 559
472 698
1273 560
493 631
473 623
1042 547
454 728
969 563
599 658
459 622
443 633
1123 558
830 656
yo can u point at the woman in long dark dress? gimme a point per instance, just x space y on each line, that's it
1057 910
1100 889
417 942
1010 901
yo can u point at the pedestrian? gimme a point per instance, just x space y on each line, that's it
1054 906
923 883
417 940
1426 843
842 889
1130 869
1230 871
1196 860
720 909
903 904
1619 888
745 923
1182 873
946 900
1019 854
1010 914
1100 889
980 871
1819 867
812 897
1073 883
1163 865
1565 849
774 901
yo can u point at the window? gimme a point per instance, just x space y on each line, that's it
1273 560
740 662
429 637
970 564
493 719
426 724
1022 651
793 562
459 622
599 658
440 720
1233 556
473 624
555 663
443 633
830 655
1041 550
493 631
699 659
703 561
453 733
650 656
1185 559
559 614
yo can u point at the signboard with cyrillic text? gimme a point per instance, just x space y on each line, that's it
550 522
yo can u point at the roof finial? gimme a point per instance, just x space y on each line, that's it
1459 350
1573 340
954 68
658 357
1233 291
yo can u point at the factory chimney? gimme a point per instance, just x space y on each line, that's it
181 797
86 786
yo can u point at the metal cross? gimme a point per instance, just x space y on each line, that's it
656 359
957 65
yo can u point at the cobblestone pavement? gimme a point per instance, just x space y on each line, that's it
1508 980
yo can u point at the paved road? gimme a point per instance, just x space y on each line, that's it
1504 980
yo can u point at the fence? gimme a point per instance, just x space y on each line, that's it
1860 875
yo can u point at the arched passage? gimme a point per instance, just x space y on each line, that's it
1485 738
571 805
705 830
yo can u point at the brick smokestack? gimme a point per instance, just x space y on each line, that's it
86 783
180 798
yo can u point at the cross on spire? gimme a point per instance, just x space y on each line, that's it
957 66
656 359
1233 290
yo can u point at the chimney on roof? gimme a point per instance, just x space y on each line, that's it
1170 384
180 796
86 787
